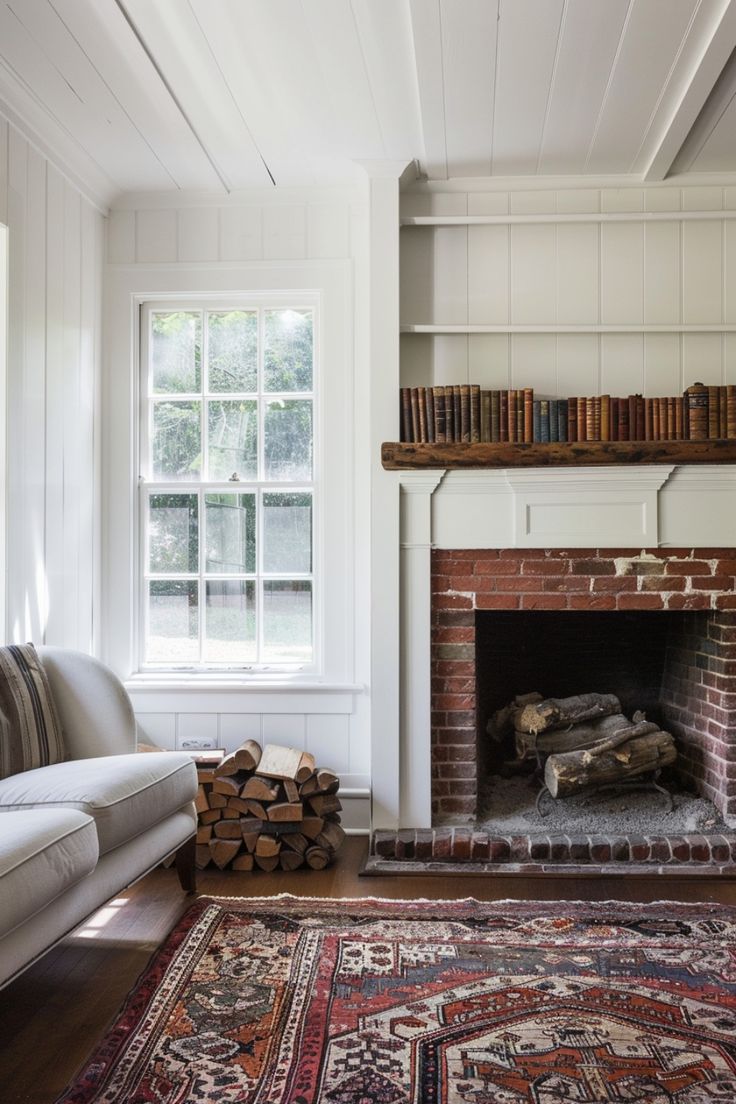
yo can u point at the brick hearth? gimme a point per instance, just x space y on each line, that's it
698 700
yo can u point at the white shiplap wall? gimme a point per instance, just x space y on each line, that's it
154 234
667 273
56 244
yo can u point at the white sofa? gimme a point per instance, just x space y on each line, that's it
76 833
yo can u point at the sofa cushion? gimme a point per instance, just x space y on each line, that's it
42 853
124 794
30 732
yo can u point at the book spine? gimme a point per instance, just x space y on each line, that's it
731 411
670 418
632 418
677 404
713 413
614 418
562 420
572 419
528 400
503 420
405 411
723 413
422 395
648 420
485 416
605 418
655 420
449 417
465 413
519 415
429 401
536 424
440 416
623 420
474 413
554 420
415 428
685 417
697 405
512 416
456 404
495 415
590 419
663 419
640 417
544 421
582 419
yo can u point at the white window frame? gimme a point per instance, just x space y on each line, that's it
148 485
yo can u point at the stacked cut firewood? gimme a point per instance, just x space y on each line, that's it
583 741
268 807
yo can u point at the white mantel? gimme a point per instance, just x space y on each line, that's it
645 506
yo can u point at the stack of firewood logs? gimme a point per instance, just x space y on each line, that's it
583 740
268 807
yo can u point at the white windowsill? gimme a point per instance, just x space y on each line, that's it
195 683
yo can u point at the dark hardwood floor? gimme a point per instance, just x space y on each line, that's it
52 1017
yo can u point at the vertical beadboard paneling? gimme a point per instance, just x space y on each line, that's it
121 237
241 234
729 269
284 728
578 370
450 363
73 455
55 266
662 272
533 359
488 275
576 277
34 385
416 274
451 274
327 230
197 730
55 404
18 627
702 272
155 236
236 728
701 358
489 357
533 274
198 231
622 255
622 364
284 232
662 369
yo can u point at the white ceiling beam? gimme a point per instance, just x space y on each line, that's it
426 26
691 86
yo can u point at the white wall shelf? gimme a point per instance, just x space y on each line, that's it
476 328
586 216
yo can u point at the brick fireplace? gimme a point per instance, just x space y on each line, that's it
662 609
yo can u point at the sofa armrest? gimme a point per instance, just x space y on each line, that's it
94 709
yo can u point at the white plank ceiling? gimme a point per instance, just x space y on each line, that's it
140 95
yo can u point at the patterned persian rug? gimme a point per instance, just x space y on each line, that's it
289 1000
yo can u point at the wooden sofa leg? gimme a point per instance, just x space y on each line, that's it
185 866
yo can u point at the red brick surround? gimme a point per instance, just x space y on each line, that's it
701 676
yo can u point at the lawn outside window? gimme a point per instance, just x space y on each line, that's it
227 487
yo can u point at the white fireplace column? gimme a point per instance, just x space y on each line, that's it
415 788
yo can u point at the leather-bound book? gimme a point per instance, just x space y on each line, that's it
440 416
731 411
714 419
572 419
405 410
416 434
528 399
648 420
495 415
465 413
503 416
485 416
723 413
697 405
605 418
474 413
422 393
582 419
512 415
429 400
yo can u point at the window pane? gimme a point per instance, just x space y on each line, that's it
231 621
231 533
233 439
287 621
173 533
287 353
287 533
288 444
173 621
232 344
177 448
176 351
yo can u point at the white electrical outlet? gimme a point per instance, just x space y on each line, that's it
197 743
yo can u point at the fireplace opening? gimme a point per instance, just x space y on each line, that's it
653 662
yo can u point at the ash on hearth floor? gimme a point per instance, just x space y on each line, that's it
508 807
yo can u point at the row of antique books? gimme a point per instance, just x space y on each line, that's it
465 414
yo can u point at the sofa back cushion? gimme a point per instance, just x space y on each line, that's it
30 732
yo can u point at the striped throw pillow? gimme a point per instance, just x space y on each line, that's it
30 731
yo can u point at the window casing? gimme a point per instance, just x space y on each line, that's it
228 495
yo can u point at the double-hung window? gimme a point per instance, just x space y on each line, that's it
227 486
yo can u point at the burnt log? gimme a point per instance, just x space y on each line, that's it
625 755
562 712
